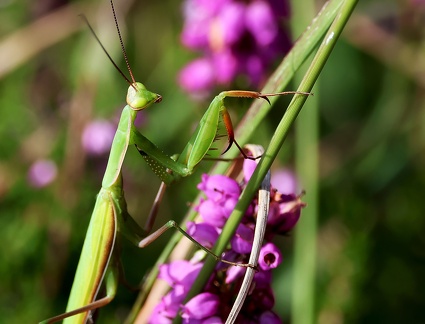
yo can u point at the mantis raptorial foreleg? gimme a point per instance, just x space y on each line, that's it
169 170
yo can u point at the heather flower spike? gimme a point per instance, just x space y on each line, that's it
234 38
228 283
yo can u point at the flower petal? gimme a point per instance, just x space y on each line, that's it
180 272
242 241
201 306
197 76
204 233
270 257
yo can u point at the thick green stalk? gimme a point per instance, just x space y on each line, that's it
277 140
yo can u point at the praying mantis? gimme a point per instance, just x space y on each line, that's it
99 260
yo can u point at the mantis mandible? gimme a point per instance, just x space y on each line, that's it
99 260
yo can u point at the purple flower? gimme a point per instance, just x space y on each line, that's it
197 75
199 15
159 315
263 279
212 320
219 187
168 308
230 24
209 320
242 241
42 173
225 66
291 213
179 272
229 204
201 306
235 38
204 233
212 213
249 167
97 137
234 273
285 182
270 256
285 211
269 317
261 23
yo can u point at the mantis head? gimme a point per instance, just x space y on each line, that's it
138 97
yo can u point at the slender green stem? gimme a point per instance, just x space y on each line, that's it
306 160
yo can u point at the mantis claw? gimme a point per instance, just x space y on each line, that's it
265 98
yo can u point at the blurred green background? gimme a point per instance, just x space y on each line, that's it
54 80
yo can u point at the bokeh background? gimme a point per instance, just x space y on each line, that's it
54 81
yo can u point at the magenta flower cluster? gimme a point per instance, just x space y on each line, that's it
235 38
214 303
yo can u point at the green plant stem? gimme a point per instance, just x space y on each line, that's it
306 161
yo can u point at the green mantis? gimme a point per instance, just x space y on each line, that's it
110 219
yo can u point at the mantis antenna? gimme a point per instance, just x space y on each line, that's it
130 82
124 52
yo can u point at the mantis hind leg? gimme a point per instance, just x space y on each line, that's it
111 283
172 224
